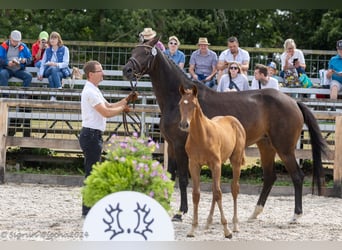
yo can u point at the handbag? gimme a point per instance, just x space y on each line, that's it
305 81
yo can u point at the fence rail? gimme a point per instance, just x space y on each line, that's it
146 111
114 55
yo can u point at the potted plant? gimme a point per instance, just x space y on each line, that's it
129 166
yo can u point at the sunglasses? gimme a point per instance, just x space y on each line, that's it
235 68
172 43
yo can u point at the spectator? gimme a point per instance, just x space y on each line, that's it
55 62
147 34
174 53
335 72
235 80
203 63
233 54
94 110
261 79
39 47
292 63
272 71
14 56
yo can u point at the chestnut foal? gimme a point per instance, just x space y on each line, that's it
211 142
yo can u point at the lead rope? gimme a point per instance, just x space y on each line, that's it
135 119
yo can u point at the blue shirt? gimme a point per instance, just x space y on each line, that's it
203 63
335 63
178 57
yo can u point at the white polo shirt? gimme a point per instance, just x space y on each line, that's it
91 96
241 57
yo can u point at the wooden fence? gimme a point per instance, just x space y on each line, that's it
69 111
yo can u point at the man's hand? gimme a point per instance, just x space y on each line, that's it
126 109
132 97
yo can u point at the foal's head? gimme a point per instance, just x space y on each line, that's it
187 105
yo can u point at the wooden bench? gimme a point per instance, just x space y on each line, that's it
113 78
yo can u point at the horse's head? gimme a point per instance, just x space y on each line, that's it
187 105
142 59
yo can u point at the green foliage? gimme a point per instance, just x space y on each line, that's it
129 166
267 28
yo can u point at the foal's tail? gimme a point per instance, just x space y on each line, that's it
318 145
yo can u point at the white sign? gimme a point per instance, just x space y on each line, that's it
128 216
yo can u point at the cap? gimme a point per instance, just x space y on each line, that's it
148 33
203 40
16 35
174 38
272 65
43 35
339 44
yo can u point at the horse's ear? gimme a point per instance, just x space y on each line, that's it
181 89
194 90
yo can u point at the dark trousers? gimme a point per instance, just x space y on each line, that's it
91 143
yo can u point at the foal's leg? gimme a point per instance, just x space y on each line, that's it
235 187
195 172
267 154
217 196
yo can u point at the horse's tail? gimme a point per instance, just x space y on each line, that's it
318 145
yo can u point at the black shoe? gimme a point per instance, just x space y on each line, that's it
85 210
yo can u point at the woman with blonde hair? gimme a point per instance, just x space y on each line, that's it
292 58
234 80
55 62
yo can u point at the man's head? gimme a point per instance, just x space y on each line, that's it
15 37
93 71
260 71
203 43
233 44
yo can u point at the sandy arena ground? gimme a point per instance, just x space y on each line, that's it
53 213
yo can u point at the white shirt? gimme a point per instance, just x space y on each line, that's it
271 84
90 97
241 57
240 80
297 54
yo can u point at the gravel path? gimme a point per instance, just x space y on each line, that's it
42 212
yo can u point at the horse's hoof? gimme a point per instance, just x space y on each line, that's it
177 217
295 219
229 236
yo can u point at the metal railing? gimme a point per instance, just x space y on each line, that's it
114 55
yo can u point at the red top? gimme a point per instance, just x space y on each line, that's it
35 51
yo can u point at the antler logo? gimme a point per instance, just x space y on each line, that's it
143 223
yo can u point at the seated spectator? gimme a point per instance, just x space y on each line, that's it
335 72
272 71
233 54
55 62
203 64
38 48
262 80
174 53
14 56
147 34
235 80
292 63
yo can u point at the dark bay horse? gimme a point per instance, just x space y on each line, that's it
211 142
271 119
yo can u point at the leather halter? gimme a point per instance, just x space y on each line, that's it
137 65
137 68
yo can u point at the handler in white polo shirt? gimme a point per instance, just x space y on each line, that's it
95 109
